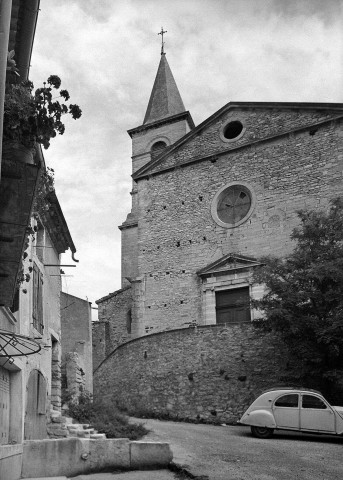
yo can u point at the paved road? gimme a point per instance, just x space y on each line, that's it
231 453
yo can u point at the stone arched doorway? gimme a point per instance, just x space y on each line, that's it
35 415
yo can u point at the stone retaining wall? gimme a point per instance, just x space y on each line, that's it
209 373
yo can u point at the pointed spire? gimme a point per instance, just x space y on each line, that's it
165 99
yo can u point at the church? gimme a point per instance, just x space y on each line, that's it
207 202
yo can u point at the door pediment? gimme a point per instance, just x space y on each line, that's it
228 264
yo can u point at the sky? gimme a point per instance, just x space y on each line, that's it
107 54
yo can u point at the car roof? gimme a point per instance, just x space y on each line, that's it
280 389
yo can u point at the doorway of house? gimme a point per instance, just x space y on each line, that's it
35 416
4 405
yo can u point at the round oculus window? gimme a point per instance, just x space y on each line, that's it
232 130
232 205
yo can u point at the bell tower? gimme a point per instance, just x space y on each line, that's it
166 120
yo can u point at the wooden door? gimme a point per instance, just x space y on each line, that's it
35 416
4 405
233 306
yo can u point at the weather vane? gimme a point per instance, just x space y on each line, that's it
162 32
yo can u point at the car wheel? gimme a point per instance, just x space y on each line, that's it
262 432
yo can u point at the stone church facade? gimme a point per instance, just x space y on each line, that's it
207 203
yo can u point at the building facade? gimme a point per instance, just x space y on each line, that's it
33 234
207 203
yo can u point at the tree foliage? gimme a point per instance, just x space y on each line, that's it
304 297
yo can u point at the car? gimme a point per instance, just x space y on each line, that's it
301 410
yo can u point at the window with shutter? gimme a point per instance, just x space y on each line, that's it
37 301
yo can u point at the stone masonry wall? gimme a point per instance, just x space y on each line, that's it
206 374
56 375
73 374
76 328
99 336
114 328
177 234
259 123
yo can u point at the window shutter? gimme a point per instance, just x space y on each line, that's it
41 395
40 302
37 300
35 281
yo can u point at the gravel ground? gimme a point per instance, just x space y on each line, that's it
231 453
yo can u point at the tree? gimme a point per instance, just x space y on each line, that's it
304 298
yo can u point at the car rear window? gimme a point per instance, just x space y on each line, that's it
290 400
310 401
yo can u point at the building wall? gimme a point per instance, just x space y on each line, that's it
48 361
41 252
207 373
114 328
259 124
76 326
143 140
129 254
187 372
99 337
178 236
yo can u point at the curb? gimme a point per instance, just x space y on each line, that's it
185 473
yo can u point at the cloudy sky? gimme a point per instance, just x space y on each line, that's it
107 53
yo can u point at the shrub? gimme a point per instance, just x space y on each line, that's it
105 417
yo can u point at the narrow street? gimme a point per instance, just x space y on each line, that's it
231 453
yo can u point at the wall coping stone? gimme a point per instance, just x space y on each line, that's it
173 331
10 450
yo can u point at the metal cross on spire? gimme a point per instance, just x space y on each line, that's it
162 32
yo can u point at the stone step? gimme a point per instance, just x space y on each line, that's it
98 436
78 426
57 430
81 430
55 413
58 419
84 433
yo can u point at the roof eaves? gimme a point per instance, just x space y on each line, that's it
163 121
23 32
113 294
52 198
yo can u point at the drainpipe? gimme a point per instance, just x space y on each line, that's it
5 20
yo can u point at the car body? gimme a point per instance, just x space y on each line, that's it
301 410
